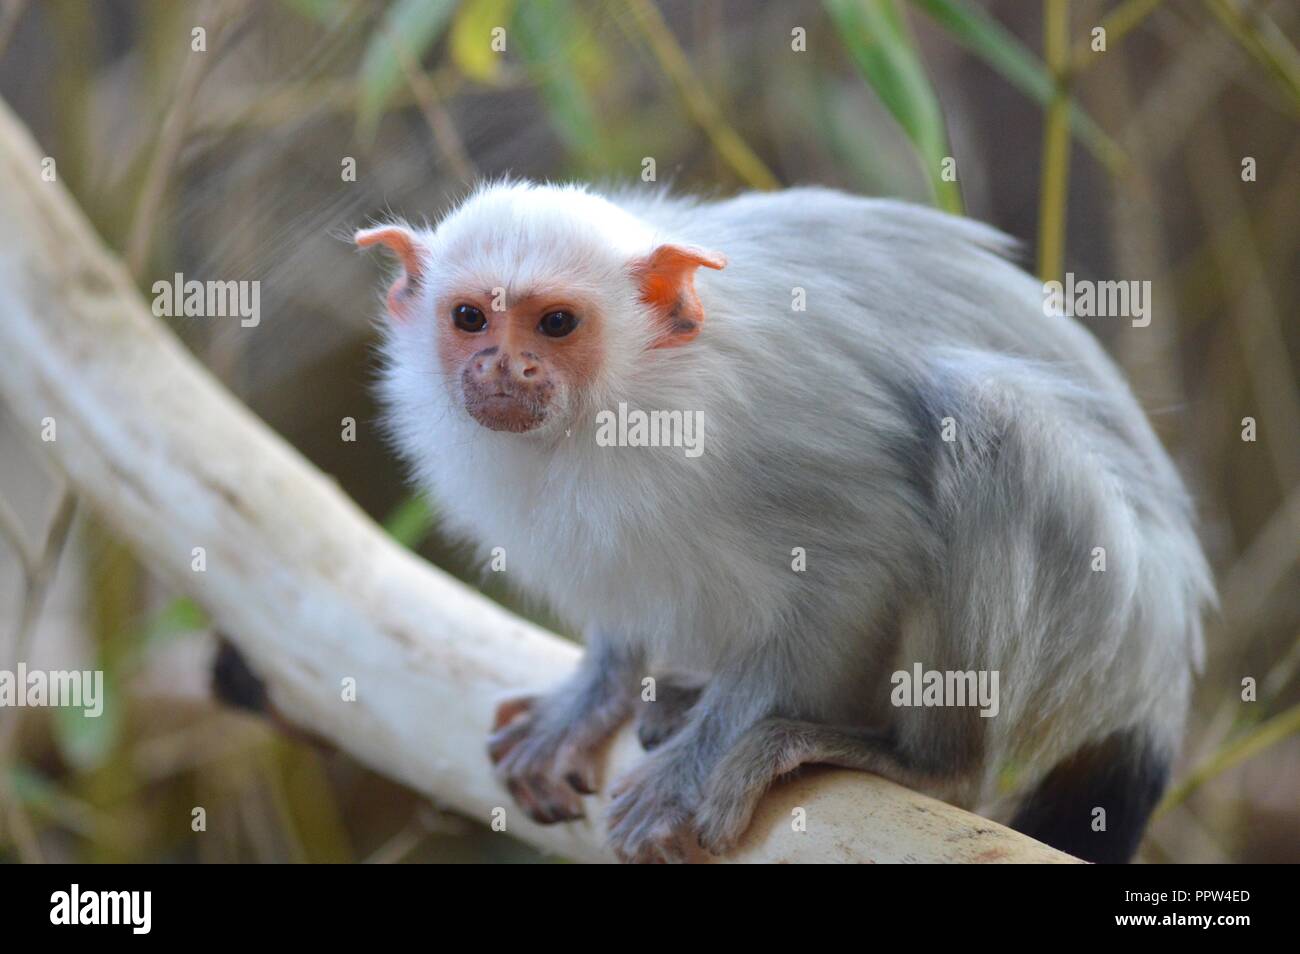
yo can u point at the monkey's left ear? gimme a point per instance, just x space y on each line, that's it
402 243
667 280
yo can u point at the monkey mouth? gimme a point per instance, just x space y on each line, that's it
502 411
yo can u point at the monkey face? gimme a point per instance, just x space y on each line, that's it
520 365
541 305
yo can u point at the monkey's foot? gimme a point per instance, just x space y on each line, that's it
659 720
545 757
650 814
767 751
737 784
770 749
725 813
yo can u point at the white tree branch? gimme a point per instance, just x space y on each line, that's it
310 589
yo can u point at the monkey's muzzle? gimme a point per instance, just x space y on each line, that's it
502 397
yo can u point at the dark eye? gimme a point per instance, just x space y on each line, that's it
557 324
468 318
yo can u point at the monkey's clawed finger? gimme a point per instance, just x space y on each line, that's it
502 742
510 709
544 802
582 782
536 766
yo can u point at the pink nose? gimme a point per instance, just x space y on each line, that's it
503 367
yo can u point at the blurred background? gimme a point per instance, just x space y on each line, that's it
1165 148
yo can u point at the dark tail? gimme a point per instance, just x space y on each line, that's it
235 684
1123 774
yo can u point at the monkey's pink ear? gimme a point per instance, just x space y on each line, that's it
402 243
667 280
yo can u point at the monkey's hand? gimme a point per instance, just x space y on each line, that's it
546 748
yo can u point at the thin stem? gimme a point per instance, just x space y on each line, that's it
1247 746
1265 43
1056 144
1118 24
435 113
703 110
170 139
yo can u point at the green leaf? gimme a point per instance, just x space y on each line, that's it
320 10
47 800
417 25
978 32
410 522
471 37
31 787
181 615
877 39
85 742
551 43
833 112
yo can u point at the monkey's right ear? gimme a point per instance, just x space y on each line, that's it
402 243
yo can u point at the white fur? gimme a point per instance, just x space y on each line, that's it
817 425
